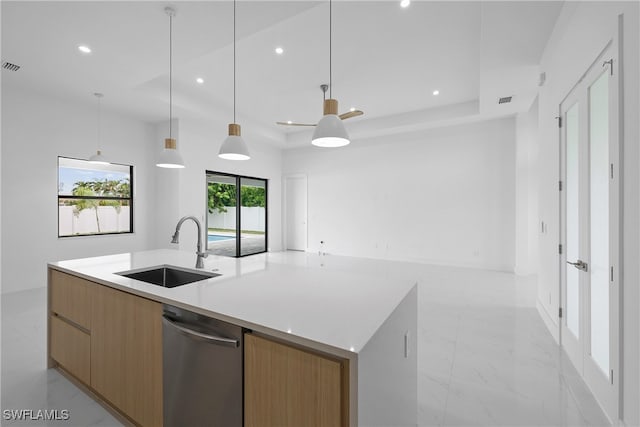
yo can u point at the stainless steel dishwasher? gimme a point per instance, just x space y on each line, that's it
202 368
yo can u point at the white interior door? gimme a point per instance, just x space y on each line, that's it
296 213
590 229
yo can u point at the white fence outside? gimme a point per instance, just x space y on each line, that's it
85 223
252 219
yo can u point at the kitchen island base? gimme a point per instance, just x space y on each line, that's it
341 352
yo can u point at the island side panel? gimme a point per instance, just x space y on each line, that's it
388 369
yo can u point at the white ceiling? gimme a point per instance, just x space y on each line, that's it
386 60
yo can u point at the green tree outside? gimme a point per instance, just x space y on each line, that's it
222 196
253 197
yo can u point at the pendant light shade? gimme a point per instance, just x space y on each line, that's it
330 131
99 158
170 157
234 147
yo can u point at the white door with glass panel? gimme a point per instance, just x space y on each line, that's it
590 229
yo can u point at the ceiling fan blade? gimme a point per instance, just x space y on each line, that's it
294 124
350 114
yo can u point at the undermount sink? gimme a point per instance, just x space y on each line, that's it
168 276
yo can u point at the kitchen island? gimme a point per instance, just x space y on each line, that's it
345 310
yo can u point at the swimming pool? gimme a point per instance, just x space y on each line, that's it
218 237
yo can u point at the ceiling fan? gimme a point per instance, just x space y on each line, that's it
344 116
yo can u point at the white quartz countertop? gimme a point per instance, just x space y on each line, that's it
333 301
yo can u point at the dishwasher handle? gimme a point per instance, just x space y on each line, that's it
213 339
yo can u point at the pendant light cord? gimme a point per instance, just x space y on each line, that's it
234 61
170 75
330 51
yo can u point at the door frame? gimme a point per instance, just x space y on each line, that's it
285 205
238 184
612 404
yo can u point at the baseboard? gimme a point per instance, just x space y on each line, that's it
549 321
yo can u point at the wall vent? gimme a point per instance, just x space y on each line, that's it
9 66
505 100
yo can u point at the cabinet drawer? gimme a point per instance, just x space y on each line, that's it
70 298
71 348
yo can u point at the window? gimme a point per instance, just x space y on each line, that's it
94 199
232 231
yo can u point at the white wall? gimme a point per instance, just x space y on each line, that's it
527 191
36 130
442 196
582 31
185 190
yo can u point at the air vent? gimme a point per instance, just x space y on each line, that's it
505 100
9 66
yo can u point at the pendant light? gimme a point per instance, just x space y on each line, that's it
330 131
170 156
98 158
234 147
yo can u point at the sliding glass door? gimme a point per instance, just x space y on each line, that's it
221 214
236 220
253 216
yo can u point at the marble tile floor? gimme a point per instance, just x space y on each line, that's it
485 358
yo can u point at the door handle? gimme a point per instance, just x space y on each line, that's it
580 265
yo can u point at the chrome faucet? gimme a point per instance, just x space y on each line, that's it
176 237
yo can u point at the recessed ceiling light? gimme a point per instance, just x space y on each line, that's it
279 50
200 80
405 3
84 48
352 109
289 122
436 92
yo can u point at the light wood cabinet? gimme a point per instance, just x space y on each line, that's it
71 298
109 341
126 353
71 348
288 386
69 325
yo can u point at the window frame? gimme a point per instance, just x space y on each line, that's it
130 199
